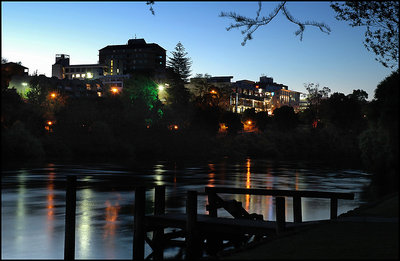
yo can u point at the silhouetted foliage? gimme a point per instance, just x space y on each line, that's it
381 18
344 112
232 121
179 62
379 144
263 120
17 143
285 118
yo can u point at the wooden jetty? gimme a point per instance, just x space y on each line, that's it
203 232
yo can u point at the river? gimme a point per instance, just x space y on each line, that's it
33 200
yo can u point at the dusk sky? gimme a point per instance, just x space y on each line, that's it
34 32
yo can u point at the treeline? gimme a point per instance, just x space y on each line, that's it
134 125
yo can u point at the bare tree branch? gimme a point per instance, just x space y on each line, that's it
252 24
151 3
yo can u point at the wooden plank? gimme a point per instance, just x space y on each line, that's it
228 226
274 192
70 212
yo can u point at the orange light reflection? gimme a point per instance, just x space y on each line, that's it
111 218
248 184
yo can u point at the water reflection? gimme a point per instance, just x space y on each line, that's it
20 224
84 226
33 204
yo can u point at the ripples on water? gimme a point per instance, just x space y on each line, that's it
33 201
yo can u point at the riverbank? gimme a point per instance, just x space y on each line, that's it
368 232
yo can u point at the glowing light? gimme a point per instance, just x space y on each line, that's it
49 123
78 75
213 92
53 95
89 75
176 127
114 90
249 122
24 84
160 87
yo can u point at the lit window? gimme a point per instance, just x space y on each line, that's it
78 75
83 75
117 70
87 86
89 75
73 76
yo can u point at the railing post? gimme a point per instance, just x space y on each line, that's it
280 214
70 212
212 204
158 234
297 209
138 226
334 208
191 226
214 243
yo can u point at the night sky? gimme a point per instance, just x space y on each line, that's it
34 32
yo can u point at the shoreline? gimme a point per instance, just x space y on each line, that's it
367 232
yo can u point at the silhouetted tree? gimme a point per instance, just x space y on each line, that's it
381 18
343 112
178 108
314 98
285 118
232 121
179 62
262 120
379 144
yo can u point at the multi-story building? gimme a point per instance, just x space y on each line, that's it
63 70
135 56
265 95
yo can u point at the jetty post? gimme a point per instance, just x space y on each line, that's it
158 234
70 213
280 214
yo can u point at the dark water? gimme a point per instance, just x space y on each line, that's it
33 200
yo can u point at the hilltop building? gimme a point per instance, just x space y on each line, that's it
264 95
63 70
135 56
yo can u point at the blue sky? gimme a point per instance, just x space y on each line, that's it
34 32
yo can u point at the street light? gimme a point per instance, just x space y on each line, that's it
114 90
53 95
160 87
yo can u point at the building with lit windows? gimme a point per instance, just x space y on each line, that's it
135 56
63 70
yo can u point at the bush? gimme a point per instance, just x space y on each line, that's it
18 144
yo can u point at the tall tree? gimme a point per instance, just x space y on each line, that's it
381 19
179 62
